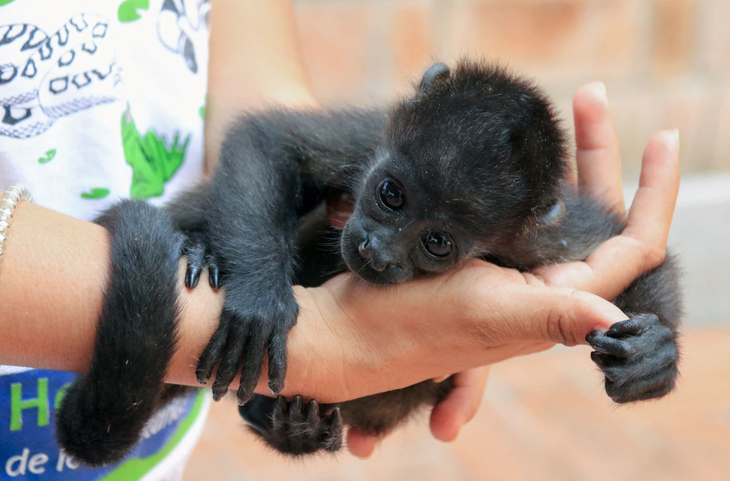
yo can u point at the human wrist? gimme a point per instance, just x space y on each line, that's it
333 355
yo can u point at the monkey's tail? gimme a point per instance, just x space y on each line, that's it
103 412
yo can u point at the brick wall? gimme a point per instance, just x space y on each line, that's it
666 63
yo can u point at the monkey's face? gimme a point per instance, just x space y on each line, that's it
427 206
469 162
399 229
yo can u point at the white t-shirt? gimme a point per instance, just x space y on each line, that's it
98 101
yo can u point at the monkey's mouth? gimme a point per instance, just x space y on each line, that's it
364 268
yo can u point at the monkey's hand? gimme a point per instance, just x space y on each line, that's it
199 258
638 357
256 319
293 428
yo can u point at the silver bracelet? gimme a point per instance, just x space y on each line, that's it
8 203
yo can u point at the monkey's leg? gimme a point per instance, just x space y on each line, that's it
103 412
381 413
293 428
640 356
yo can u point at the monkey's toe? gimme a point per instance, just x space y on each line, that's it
199 259
195 254
292 427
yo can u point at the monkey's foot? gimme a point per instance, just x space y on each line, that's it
638 357
199 259
291 427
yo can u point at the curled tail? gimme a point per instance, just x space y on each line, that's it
103 412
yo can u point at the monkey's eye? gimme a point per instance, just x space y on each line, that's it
437 244
391 195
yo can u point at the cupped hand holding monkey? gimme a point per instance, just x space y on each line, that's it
504 312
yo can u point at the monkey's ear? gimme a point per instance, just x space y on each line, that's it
435 73
553 215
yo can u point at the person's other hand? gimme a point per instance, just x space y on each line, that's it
447 417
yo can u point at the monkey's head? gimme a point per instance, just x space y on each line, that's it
473 159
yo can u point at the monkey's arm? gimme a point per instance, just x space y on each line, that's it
251 216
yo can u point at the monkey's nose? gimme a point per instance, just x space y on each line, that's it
369 252
365 249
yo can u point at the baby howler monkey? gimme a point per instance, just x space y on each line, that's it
472 165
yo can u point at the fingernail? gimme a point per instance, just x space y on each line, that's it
603 329
610 313
671 139
602 88
599 88
441 378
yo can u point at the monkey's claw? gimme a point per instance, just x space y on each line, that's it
199 259
292 427
638 357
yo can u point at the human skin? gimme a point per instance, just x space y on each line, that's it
349 336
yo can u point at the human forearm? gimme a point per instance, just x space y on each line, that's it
51 285
349 336
254 61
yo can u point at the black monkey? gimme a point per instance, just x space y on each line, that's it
472 165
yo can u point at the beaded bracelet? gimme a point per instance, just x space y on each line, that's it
8 203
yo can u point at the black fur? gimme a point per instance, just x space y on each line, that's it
474 163
103 412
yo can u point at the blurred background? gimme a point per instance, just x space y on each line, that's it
666 64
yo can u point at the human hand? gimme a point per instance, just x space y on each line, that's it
640 247
447 417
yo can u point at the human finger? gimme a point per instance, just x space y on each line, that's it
642 245
544 314
651 212
598 159
360 444
460 405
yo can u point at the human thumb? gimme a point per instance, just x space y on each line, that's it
559 315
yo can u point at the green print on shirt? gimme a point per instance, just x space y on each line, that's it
50 154
95 193
5 2
128 11
153 162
